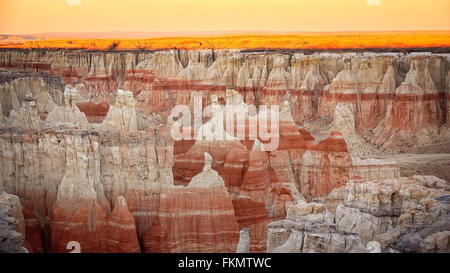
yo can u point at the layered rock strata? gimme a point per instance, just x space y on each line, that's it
378 88
97 167
393 215
310 228
12 224
196 218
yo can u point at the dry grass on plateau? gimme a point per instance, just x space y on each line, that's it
319 41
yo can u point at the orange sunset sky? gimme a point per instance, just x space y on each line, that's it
40 16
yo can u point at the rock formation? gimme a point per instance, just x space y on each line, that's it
244 242
2 117
97 167
393 215
414 116
436 243
12 224
122 115
69 114
309 228
398 213
45 91
80 213
198 218
261 78
27 116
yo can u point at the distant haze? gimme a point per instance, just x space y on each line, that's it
137 34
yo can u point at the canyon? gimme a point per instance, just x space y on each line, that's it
88 155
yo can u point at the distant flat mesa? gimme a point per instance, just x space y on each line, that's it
429 40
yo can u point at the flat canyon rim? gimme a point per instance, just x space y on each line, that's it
357 41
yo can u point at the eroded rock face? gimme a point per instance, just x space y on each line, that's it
97 165
122 115
436 243
244 242
310 228
12 224
393 215
245 175
106 192
81 211
415 114
400 213
188 215
69 114
447 84
88 224
77 179
2 117
376 85
27 116
262 184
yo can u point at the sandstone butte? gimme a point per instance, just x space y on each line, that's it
87 154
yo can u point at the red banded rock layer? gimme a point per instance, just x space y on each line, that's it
97 88
437 67
252 215
343 89
27 158
374 169
318 168
377 84
248 80
169 77
255 192
98 74
306 82
415 115
193 220
189 164
158 66
324 168
34 163
81 212
196 218
314 168
245 175
248 178
276 84
33 233
89 225
95 113
136 166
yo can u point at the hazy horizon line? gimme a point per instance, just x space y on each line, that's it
208 32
